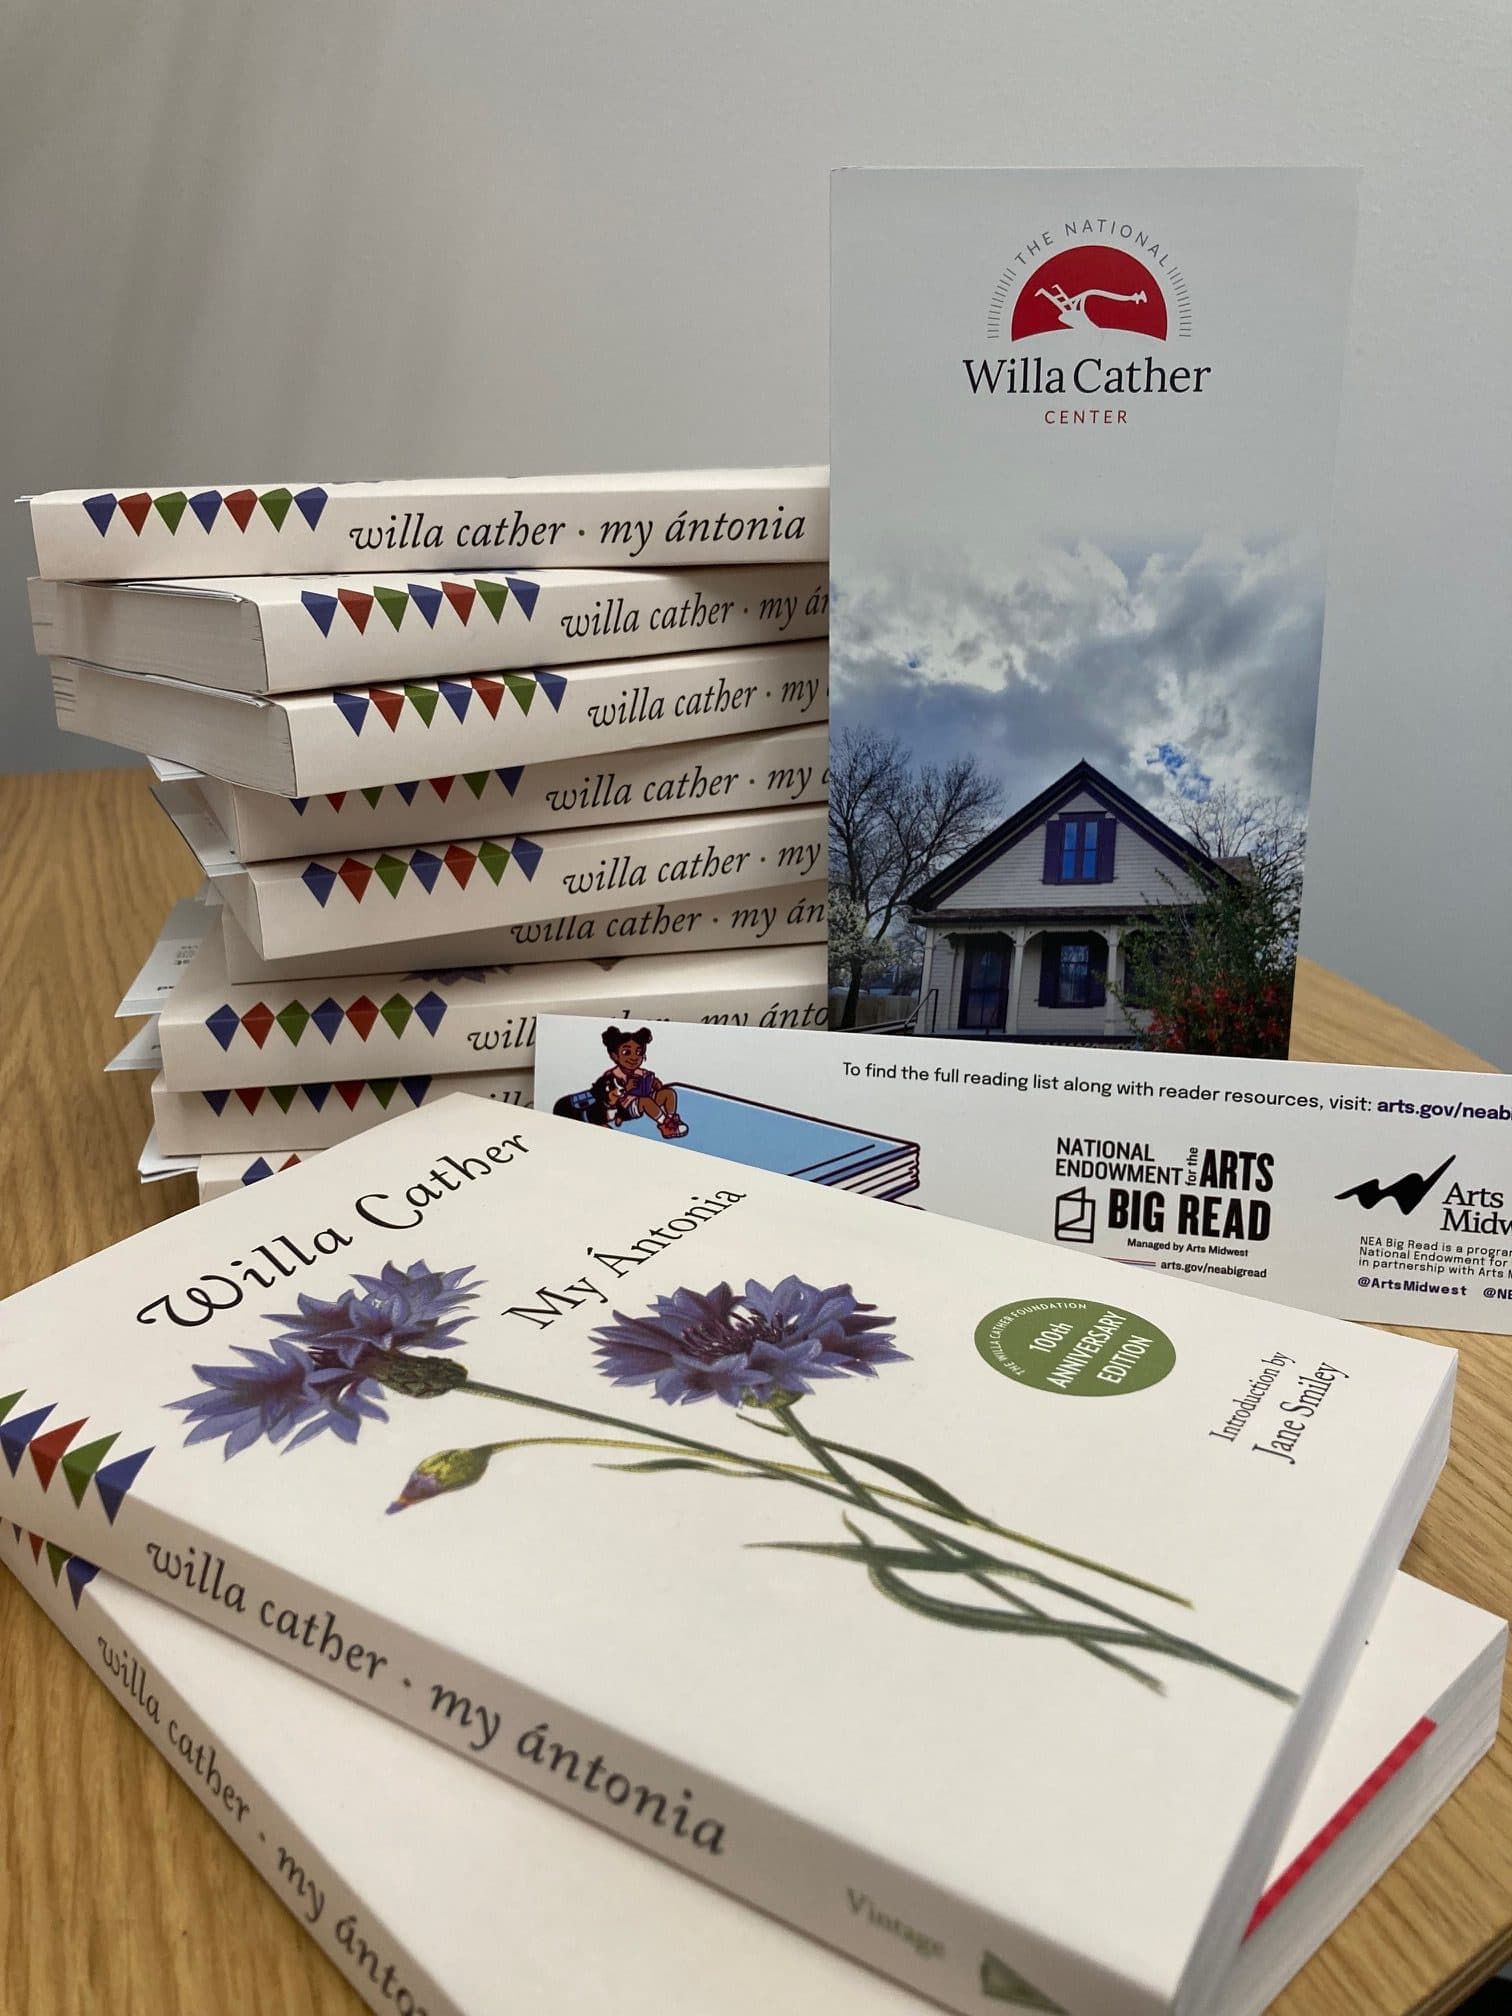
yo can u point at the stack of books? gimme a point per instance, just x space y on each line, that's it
430 801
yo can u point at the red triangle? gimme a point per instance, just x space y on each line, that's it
134 510
250 1096
442 787
356 875
289 1164
335 799
357 605
389 705
240 503
461 863
460 596
36 1545
257 1021
491 693
47 1449
362 1014
351 1092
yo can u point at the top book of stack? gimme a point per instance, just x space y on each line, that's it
669 518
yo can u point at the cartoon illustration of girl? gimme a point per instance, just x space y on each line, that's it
631 1090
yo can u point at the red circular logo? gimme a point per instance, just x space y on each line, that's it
1090 287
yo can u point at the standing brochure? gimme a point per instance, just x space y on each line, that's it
1082 463
668 518
985 1469
273 1758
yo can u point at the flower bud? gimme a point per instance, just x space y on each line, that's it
417 1378
447 1470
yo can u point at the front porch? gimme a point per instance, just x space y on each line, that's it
1057 981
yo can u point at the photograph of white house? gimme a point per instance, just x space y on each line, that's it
1026 933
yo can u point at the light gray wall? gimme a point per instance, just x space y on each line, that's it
258 239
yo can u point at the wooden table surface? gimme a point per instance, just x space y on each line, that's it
117 1891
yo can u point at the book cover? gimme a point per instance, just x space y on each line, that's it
410 1920
670 518
358 738
293 634
310 1112
1082 474
977 1474
211 1032
377 898
727 773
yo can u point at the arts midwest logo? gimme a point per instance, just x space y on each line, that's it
1086 315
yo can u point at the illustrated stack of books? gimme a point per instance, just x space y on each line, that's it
429 800
1008 1673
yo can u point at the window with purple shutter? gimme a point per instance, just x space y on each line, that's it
1080 849
1073 971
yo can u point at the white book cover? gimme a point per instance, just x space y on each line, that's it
667 518
211 1032
309 1113
727 773
218 1175
373 1415
360 737
379 897
280 634
273 1759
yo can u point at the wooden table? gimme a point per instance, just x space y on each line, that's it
117 1891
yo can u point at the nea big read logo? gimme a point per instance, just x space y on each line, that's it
1089 320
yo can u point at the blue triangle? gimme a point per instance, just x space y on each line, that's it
116 1479
255 1171
510 779
553 685
407 791
223 1024
425 867
457 696
524 592
216 1101
429 1010
328 1018
319 880
101 510
299 805
311 503
354 707
526 854
206 504
426 600
416 1088
321 607
317 1095
20 1428
80 1574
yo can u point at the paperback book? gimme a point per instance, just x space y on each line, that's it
671 518
273 1757
218 1175
281 634
865 1373
1082 474
726 773
212 1033
358 738
309 1113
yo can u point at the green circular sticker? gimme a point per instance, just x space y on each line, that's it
1062 1344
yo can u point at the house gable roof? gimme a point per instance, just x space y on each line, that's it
1081 777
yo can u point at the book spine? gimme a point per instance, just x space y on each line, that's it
375 899
218 1175
368 1954
915 1931
254 1118
320 528
725 773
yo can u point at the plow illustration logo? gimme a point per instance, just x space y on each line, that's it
1088 288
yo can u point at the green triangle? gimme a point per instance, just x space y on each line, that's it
396 1011
425 700
79 1465
523 689
276 503
393 602
494 859
8 1402
56 1556
495 595
284 1094
383 1089
475 781
293 1020
1002 1983
372 793
171 508
391 872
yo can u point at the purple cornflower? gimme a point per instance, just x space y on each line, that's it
275 1392
401 1309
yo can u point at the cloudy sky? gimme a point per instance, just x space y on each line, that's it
1172 670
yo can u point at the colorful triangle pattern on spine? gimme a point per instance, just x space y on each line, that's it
52 1453
427 598
206 507
72 1568
355 703
418 866
250 1097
